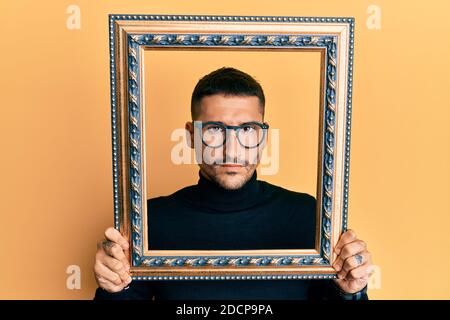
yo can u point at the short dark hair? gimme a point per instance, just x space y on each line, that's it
226 81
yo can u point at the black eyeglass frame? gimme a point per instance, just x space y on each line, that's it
201 124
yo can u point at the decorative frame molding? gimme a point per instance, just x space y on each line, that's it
129 36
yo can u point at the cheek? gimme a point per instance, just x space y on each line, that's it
252 156
213 153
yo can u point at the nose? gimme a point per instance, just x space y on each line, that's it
232 146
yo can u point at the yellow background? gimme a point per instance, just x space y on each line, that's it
56 176
291 84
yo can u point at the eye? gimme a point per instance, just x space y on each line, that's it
248 128
213 128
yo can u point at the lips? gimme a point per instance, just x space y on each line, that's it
231 165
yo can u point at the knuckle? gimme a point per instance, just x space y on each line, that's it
116 279
125 243
338 261
363 244
365 277
353 273
362 280
97 267
345 268
104 285
99 255
116 265
352 233
100 280
349 264
115 249
345 251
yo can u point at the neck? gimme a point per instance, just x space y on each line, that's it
210 194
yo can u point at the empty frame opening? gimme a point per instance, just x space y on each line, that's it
291 81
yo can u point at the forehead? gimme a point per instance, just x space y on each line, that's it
230 109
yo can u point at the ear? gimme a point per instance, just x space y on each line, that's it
189 126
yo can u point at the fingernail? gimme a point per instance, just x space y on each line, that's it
129 280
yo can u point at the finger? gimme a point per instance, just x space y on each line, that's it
116 266
352 286
350 249
114 235
114 250
355 261
362 271
101 271
110 287
346 237
351 261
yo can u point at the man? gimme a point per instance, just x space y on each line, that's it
230 209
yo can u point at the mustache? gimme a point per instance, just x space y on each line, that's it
242 162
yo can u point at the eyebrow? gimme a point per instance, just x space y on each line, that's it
238 124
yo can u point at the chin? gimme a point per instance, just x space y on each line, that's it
231 182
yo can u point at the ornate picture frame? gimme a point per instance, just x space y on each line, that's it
129 36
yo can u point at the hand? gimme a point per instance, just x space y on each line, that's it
111 268
353 263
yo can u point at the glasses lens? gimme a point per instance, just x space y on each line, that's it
213 135
250 135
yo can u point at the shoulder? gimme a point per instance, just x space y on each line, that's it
288 196
167 200
297 211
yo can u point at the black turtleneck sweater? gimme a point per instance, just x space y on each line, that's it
259 215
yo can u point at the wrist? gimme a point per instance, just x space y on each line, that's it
358 295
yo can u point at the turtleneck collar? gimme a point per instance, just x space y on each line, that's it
211 196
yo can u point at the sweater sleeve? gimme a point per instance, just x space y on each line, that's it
137 290
329 290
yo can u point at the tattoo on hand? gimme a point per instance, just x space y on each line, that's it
359 259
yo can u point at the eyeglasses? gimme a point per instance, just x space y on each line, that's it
249 134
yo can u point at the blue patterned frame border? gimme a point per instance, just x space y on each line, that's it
162 40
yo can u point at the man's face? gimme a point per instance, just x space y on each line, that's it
231 165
